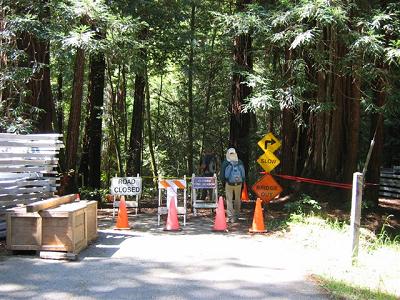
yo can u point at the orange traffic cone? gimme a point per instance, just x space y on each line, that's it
122 221
258 219
245 194
220 221
172 220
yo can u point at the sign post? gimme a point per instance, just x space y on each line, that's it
267 188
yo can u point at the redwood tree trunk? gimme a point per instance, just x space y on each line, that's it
38 58
96 101
75 111
190 93
353 126
136 136
239 121
288 125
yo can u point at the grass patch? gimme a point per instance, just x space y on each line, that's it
342 290
326 241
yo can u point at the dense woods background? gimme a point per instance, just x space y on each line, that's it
145 86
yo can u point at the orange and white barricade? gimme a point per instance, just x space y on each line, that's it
126 186
210 199
171 188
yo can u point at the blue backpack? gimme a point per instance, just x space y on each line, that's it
233 173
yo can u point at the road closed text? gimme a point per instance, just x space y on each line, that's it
126 185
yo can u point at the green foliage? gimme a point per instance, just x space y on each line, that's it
305 205
93 194
340 289
116 28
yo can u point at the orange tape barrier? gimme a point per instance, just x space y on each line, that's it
316 181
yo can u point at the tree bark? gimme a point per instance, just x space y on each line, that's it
353 121
60 117
239 121
209 86
149 132
75 111
136 136
96 101
190 92
288 124
38 58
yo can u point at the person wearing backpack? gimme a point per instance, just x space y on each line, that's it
233 174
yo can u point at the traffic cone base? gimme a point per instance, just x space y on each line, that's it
172 219
122 221
245 195
220 221
258 219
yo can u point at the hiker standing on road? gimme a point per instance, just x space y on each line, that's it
233 175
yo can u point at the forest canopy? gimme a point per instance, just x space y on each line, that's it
145 86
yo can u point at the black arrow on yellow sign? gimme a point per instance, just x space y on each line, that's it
268 142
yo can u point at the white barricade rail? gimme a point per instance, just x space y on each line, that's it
172 187
27 169
389 183
200 184
126 186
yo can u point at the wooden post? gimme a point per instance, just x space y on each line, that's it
356 198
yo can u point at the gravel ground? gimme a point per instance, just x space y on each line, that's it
149 263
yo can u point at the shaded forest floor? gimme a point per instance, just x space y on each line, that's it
387 215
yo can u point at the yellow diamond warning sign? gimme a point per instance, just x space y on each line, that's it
269 143
268 161
266 188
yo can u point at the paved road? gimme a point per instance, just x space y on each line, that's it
147 263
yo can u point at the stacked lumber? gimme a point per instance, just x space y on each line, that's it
27 167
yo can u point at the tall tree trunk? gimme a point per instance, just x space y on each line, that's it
239 121
96 101
114 119
210 79
190 92
149 132
158 109
136 136
38 58
60 117
353 121
75 111
288 123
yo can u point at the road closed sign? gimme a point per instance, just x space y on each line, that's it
266 188
126 185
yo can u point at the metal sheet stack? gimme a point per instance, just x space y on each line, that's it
27 169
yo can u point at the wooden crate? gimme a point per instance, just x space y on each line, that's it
91 219
24 230
64 228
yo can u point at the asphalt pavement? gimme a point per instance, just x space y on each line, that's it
149 263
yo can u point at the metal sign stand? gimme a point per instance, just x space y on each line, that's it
204 183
